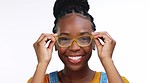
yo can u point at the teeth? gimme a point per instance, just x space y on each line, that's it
75 58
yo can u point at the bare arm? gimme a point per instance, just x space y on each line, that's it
112 73
43 55
105 51
39 74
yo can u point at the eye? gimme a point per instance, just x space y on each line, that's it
63 39
84 38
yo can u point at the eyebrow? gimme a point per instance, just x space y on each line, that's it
81 33
63 34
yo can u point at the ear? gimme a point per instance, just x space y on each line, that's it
56 47
93 45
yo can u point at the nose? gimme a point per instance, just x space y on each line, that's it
74 46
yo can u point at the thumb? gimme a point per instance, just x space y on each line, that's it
52 43
98 44
50 46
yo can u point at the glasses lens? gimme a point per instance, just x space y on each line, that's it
64 41
84 40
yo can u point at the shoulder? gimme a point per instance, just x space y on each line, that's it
53 76
124 79
103 76
96 78
46 80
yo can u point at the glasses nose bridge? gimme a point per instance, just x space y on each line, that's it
74 40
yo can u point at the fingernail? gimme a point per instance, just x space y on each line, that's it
55 34
93 33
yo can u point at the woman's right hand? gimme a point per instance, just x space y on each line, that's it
44 52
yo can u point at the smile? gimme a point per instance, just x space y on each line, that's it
75 59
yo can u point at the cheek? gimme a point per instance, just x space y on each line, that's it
61 51
88 50
88 53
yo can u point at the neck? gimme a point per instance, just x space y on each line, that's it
84 73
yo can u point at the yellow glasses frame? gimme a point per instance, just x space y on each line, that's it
74 39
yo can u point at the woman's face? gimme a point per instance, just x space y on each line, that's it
74 57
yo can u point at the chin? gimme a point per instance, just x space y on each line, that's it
75 68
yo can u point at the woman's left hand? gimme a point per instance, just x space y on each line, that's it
105 49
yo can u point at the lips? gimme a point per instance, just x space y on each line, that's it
75 59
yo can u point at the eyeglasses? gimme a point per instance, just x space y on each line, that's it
83 41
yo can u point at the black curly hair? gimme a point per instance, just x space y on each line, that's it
63 7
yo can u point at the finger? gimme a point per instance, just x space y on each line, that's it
98 44
41 37
52 43
104 36
55 35
44 40
52 37
46 37
101 33
53 40
108 36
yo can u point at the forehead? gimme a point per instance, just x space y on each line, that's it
74 24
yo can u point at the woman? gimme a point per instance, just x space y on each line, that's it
74 39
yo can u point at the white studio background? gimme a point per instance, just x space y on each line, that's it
22 22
